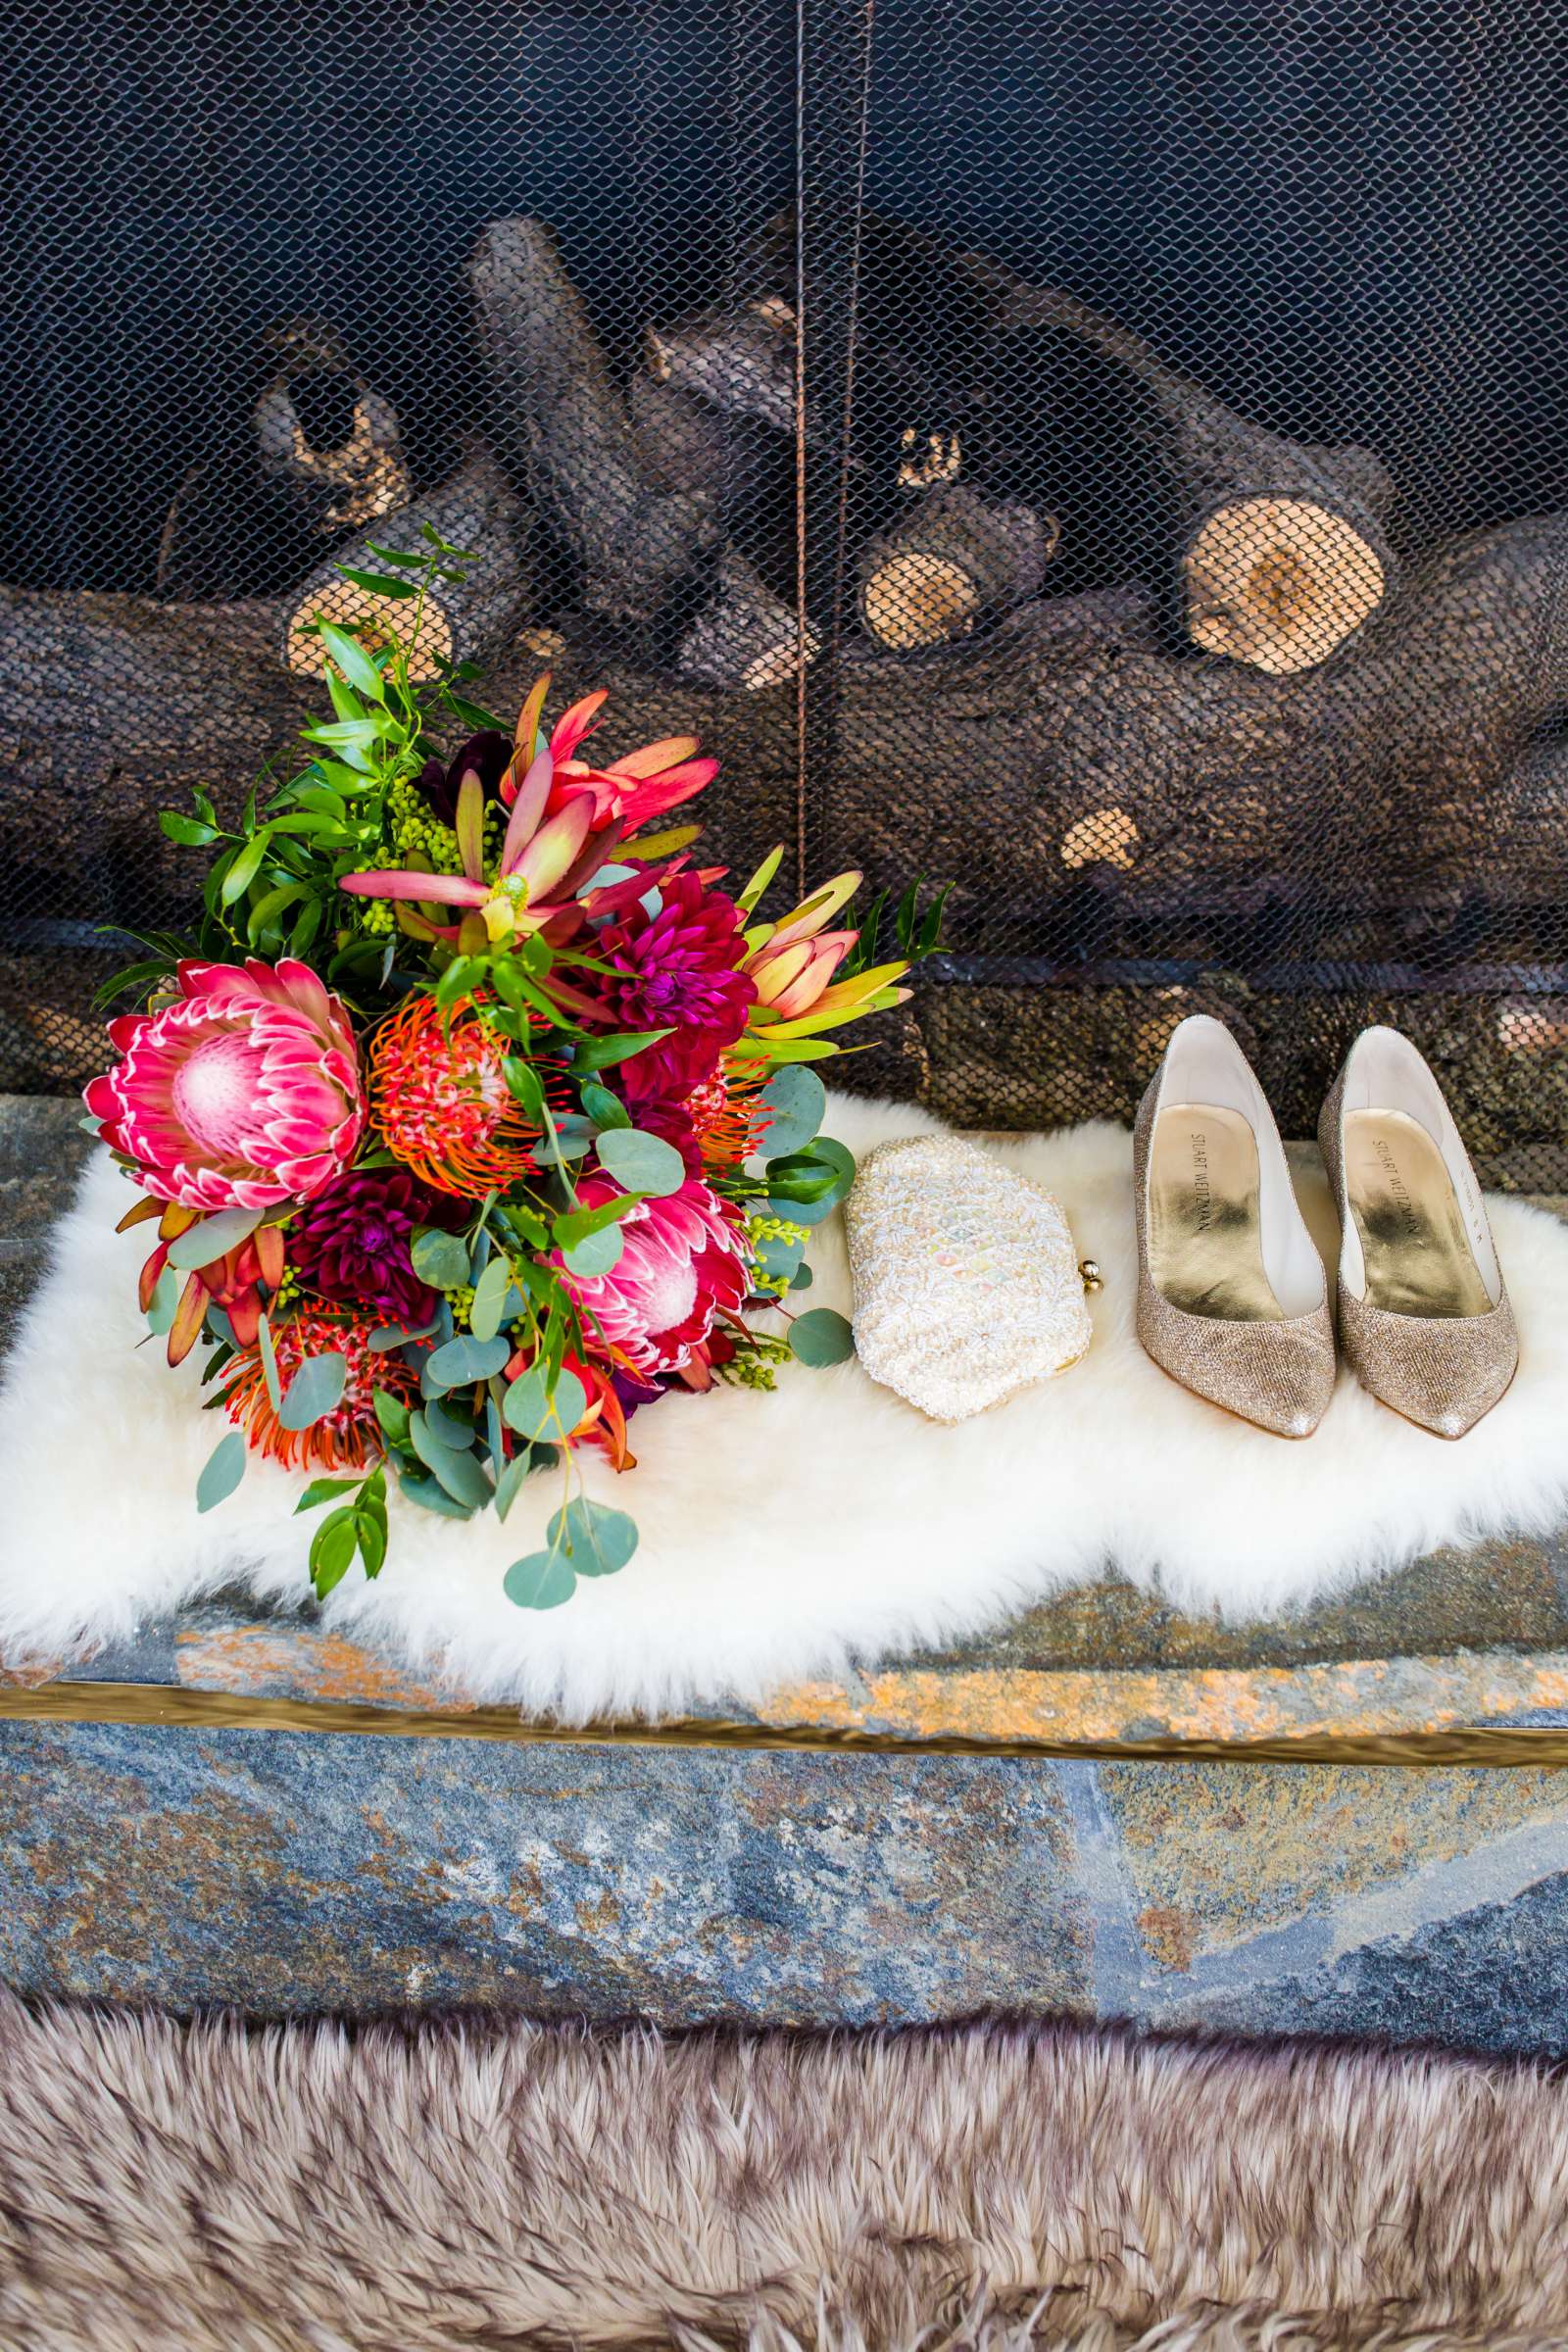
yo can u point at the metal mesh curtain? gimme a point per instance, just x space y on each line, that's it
1111 457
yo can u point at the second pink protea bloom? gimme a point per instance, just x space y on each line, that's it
243 1092
683 1263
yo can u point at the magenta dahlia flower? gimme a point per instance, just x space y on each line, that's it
351 1242
242 1093
677 970
682 1262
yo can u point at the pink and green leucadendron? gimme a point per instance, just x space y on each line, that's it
476 1117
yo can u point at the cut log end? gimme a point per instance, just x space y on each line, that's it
378 622
1279 584
918 599
1106 837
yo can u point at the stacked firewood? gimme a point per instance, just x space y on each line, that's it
1001 439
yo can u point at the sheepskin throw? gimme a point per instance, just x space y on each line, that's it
997 2187
887 1531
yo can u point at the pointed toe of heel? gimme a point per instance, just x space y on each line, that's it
1232 1295
1424 1315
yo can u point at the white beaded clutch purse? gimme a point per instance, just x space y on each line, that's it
966 1285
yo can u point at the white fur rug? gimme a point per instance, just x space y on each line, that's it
782 1535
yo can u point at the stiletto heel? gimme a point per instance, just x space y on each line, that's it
1232 1296
1424 1317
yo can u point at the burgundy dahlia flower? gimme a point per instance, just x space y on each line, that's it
677 970
351 1242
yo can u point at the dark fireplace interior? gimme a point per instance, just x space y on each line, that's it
1148 419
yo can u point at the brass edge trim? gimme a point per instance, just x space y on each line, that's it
188 1709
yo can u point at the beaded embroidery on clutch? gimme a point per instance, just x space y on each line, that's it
966 1285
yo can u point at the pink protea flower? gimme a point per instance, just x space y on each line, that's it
676 969
683 1263
242 1093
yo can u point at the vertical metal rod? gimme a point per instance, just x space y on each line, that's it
833 100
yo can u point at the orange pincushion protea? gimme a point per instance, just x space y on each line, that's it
349 1438
440 1097
726 1116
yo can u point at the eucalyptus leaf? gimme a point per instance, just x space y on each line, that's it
465 1358
595 1539
439 1258
163 1302
776 1257
268 1355
795 1100
221 1472
643 1164
541 1581
822 1337
801 1213
212 1237
521 1466
430 1496
531 1411
490 1294
459 1474
801 1278
456 1430
596 1253
573 1139
316 1390
391 1336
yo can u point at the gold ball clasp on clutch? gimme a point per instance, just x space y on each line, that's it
1093 1279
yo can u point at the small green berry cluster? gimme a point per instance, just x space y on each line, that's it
755 1362
768 1227
287 1294
414 829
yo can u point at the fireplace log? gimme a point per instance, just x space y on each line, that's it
1280 547
562 429
1273 551
331 439
948 560
746 637
322 458
1289 556
1067 748
740 361
470 620
681 441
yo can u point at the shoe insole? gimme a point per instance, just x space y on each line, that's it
1418 1256
1205 1234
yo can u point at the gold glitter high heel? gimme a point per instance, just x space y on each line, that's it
1232 1296
1424 1317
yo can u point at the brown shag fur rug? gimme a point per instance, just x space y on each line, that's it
460 2188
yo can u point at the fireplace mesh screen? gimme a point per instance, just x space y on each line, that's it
1110 458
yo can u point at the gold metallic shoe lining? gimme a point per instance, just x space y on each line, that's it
1418 1257
1205 1234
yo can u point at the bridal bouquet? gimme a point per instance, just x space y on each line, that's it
476 1117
